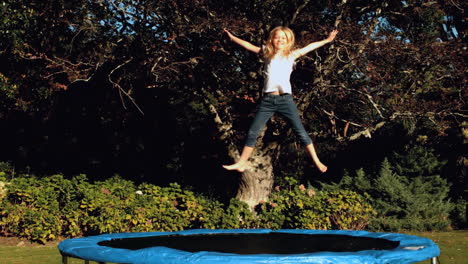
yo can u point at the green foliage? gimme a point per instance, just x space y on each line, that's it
8 91
295 206
6 170
42 209
31 208
458 214
417 161
78 69
238 216
415 201
90 63
16 18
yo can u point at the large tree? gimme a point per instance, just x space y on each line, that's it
139 61
393 61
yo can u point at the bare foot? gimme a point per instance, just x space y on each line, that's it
322 168
239 166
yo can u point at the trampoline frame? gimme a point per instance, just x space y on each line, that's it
433 260
423 248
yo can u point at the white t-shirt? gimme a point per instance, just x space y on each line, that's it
277 72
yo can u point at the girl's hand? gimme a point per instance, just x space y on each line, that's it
227 32
247 45
332 35
314 45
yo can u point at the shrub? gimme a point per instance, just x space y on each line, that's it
42 209
295 206
417 161
416 202
172 209
7 171
31 209
3 189
458 214
238 216
118 206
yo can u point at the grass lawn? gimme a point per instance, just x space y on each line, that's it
453 246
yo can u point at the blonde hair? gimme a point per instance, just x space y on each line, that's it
270 49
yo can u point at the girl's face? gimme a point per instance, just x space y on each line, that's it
280 41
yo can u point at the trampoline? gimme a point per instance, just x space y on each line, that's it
239 246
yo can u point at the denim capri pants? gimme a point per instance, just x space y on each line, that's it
271 104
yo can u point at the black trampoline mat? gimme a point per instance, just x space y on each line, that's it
255 243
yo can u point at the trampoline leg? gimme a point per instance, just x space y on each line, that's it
434 260
64 260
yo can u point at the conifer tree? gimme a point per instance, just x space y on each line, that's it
402 202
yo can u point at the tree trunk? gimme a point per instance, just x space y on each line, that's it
257 180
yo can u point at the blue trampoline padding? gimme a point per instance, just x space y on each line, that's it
412 249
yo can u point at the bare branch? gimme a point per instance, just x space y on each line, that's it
332 115
459 8
193 60
367 132
369 97
73 40
339 57
224 129
298 10
121 90
155 64
65 66
87 79
338 18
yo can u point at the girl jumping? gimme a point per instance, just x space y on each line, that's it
279 55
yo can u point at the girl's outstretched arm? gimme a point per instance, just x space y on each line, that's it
247 45
315 45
